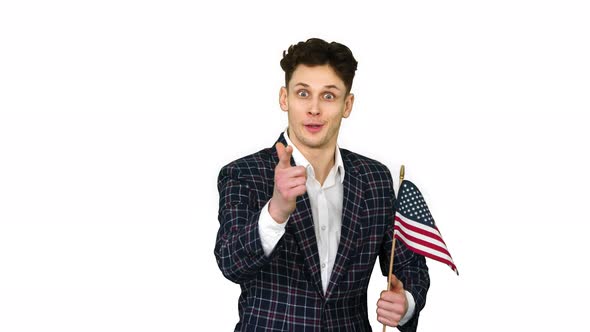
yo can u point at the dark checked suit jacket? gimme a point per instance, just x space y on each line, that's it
283 292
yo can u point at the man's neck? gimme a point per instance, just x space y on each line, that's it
322 160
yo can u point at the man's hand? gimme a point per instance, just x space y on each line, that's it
393 304
289 184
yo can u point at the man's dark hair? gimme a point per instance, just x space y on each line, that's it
316 52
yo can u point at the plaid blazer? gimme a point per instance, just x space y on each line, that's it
283 292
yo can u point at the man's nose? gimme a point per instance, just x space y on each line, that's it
314 107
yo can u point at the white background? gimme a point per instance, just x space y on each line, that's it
116 116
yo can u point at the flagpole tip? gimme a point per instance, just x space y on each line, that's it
402 173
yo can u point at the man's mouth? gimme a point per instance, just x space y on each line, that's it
314 127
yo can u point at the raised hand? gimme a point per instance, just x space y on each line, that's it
289 184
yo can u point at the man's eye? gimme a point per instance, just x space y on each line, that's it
328 96
302 93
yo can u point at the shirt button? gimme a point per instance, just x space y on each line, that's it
323 265
323 228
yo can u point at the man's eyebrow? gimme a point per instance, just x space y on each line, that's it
330 86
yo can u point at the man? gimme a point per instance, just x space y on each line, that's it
302 222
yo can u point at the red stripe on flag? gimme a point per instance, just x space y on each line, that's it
429 255
422 242
420 230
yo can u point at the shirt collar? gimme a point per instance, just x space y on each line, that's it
301 161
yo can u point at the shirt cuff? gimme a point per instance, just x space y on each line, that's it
269 230
411 308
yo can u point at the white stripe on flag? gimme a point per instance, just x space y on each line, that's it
421 236
419 225
424 248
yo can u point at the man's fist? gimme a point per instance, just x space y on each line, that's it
289 184
393 304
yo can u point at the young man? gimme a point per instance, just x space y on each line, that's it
302 222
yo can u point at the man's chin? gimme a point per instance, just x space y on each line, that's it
313 143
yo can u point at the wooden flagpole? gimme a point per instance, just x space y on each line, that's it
402 173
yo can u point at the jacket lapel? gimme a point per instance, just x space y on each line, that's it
353 194
301 226
302 222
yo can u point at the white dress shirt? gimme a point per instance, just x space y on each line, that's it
326 208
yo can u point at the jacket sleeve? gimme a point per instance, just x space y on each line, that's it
408 267
238 248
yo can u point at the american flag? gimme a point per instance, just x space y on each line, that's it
415 227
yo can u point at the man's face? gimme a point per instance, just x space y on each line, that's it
316 101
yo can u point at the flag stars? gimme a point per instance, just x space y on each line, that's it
411 202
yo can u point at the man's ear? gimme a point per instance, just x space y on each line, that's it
348 102
283 100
